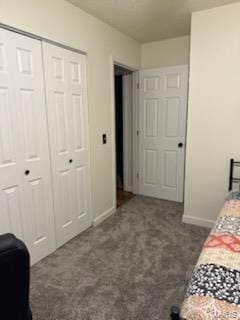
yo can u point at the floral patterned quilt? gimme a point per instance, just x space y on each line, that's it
214 290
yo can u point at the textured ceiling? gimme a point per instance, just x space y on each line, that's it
148 20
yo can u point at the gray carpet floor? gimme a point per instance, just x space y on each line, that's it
135 265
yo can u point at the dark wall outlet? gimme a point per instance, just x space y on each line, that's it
104 138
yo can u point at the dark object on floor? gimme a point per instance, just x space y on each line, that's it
123 197
175 313
14 279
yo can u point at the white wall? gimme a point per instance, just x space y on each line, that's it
213 133
165 53
62 22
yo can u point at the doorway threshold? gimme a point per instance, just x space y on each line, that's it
123 197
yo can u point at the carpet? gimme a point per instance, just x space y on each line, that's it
135 265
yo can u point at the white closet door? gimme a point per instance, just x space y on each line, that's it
65 75
25 180
11 167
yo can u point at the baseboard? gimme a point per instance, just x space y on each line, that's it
103 216
128 188
198 221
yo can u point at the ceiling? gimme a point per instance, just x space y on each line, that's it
148 20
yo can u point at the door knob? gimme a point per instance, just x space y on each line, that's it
27 172
180 145
70 160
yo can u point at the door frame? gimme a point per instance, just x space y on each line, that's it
135 126
114 61
127 95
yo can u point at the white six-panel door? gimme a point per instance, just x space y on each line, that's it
162 129
26 207
65 76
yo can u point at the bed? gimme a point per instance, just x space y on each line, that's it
214 289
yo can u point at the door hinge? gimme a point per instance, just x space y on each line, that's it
138 86
137 175
137 132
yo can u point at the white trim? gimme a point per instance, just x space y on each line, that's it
113 142
40 38
135 121
127 188
104 216
114 61
127 133
165 69
89 140
198 221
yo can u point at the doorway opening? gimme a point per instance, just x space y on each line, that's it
123 133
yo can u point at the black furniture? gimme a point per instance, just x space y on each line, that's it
175 313
232 179
14 279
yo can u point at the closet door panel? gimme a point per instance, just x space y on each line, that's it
80 142
11 189
59 115
82 200
65 75
11 211
31 172
60 142
38 219
66 214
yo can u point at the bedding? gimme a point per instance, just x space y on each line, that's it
214 289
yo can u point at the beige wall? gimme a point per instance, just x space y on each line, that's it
213 134
165 53
62 22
